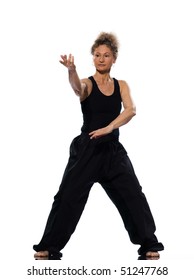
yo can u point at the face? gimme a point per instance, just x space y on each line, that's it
103 59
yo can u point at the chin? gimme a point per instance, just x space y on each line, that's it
103 71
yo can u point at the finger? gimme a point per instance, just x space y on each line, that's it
64 57
95 136
91 133
71 59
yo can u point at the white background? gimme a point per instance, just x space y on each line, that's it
40 115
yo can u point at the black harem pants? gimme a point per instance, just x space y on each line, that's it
103 160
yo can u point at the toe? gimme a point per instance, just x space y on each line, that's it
41 254
152 254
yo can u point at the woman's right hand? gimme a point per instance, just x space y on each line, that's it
68 61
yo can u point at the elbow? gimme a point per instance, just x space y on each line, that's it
131 114
78 89
77 92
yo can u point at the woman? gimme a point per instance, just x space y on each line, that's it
96 155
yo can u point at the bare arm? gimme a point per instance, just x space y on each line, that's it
126 115
80 87
129 107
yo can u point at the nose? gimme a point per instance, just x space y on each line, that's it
101 58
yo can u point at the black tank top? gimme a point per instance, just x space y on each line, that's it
100 110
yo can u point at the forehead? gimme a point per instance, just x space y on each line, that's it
103 49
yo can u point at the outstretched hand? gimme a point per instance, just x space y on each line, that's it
68 61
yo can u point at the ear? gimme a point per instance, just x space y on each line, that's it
114 58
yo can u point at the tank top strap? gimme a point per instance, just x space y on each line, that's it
116 86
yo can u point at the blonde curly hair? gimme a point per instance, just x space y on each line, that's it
108 39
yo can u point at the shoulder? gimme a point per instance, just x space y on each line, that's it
124 88
86 81
123 84
126 95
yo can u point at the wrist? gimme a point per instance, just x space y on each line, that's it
72 69
110 127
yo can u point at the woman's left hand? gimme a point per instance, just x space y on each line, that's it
101 132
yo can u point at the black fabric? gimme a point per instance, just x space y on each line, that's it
103 160
99 110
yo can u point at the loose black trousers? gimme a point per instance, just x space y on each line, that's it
103 160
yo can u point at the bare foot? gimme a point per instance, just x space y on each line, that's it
152 255
41 255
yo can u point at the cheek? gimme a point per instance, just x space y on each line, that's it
111 62
94 60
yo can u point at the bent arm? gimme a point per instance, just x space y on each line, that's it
124 117
129 107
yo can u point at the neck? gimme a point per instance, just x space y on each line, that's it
102 77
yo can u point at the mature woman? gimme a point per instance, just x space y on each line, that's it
96 155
